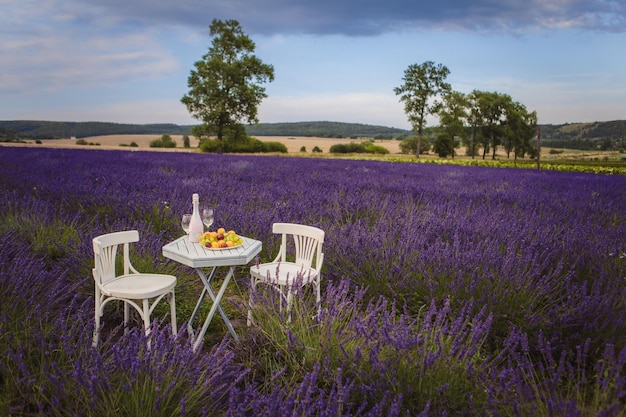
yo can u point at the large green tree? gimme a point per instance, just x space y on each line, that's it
224 87
521 127
475 121
452 118
492 108
423 83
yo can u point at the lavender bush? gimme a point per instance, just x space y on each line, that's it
447 290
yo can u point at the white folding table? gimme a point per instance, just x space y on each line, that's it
198 257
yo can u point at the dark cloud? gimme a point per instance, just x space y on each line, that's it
371 17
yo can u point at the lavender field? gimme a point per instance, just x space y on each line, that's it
447 290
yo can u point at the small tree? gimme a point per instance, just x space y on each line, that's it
186 142
444 145
224 88
422 83
409 145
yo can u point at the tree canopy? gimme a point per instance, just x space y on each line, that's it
422 84
224 87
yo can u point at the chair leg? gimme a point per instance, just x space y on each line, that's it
146 316
249 321
172 300
289 301
96 329
318 298
126 316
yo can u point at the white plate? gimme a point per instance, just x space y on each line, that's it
231 247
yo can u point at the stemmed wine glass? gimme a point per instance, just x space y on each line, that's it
186 219
207 216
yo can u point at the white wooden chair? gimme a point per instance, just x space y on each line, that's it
288 269
131 286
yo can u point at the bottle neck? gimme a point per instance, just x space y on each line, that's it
195 200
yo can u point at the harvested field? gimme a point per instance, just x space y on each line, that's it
293 143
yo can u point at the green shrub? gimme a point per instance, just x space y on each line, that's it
208 145
363 147
347 148
81 142
250 145
274 147
165 141
376 149
409 145
317 150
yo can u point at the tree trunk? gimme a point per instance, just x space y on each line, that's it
220 134
419 143
473 148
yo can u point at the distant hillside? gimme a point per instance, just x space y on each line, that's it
323 129
615 129
564 135
32 129
586 136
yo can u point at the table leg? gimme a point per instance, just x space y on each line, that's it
206 284
216 303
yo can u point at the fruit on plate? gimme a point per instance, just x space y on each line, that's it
220 239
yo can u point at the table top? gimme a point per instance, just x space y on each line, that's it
197 256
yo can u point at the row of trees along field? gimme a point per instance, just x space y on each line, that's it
481 120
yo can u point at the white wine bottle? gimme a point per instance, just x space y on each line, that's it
196 228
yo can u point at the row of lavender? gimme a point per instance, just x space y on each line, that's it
458 290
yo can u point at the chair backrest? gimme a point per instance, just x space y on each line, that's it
308 241
105 251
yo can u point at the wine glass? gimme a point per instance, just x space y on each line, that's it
186 219
207 216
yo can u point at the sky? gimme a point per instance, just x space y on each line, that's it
127 61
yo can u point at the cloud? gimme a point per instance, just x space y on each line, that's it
51 63
53 49
366 17
52 44
58 52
